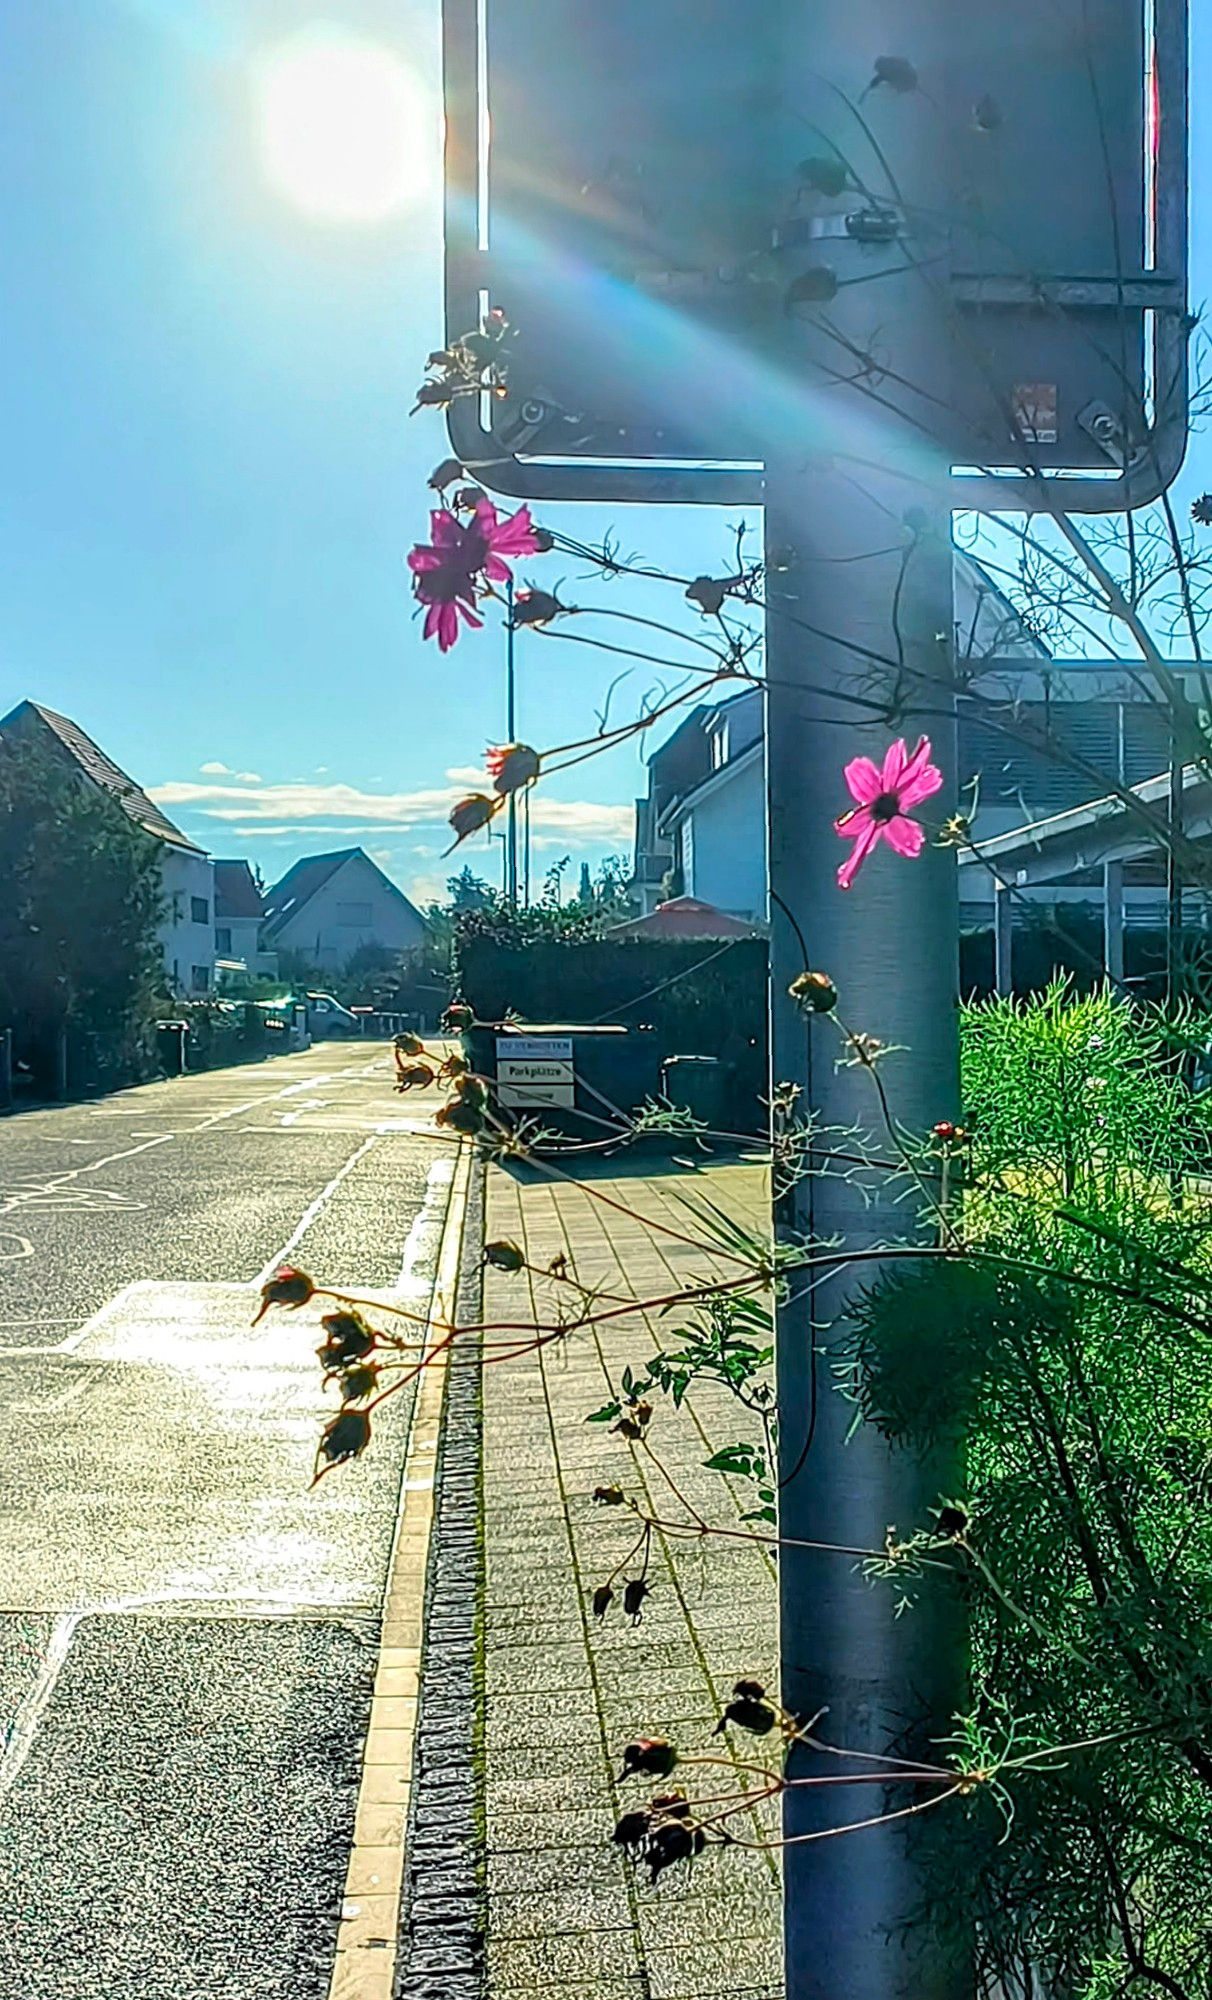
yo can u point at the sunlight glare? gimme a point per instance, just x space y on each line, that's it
347 133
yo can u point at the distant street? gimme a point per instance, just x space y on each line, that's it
187 1635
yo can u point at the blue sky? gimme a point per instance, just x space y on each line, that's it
208 479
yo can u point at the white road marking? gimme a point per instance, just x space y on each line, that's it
427 1224
20 1197
312 1211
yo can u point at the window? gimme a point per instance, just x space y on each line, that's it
200 978
199 909
223 939
353 914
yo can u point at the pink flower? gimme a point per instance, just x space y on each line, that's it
448 569
884 797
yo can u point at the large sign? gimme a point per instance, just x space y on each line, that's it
655 193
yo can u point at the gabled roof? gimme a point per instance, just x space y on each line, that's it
686 917
91 760
236 894
307 878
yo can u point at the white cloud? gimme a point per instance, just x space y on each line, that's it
217 770
302 807
468 774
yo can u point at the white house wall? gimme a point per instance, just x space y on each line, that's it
724 858
187 941
355 907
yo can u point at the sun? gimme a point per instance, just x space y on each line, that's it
346 131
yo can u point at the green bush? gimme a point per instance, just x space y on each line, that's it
1072 1348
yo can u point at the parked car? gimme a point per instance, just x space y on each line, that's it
328 1020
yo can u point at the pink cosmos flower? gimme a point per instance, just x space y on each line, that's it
883 798
448 569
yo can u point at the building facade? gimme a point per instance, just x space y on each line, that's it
186 930
329 906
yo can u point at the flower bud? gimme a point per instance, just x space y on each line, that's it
632 1829
504 1256
346 1437
536 607
359 1381
511 766
708 592
467 1119
287 1287
603 1598
749 1691
469 814
756 1716
633 1598
952 1521
347 1338
815 992
648 1757
944 1130
409 1045
609 1496
444 475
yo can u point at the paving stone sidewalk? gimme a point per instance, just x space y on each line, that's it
563 1693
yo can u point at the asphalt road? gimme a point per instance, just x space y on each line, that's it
187 1634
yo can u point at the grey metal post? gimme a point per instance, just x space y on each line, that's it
511 730
859 610
6 1069
1003 942
1113 920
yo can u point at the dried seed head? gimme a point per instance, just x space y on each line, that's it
609 1496
603 1598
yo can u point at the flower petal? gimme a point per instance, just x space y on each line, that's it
851 824
869 832
927 781
905 836
863 780
895 759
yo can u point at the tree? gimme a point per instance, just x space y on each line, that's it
78 920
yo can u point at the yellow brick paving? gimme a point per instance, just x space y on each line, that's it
565 1694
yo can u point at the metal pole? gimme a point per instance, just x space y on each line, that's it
1174 880
860 483
511 730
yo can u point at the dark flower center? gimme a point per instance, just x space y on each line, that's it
885 806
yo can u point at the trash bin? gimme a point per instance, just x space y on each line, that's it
696 1084
171 1040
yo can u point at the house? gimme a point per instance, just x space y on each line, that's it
239 914
701 829
683 917
187 935
329 906
713 834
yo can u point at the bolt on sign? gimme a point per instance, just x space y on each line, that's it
659 195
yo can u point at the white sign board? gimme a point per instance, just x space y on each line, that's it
510 1047
534 1070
